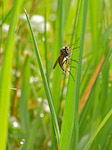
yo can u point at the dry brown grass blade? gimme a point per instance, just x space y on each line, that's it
110 79
90 85
1 59
32 104
16 96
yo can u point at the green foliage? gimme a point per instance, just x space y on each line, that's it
25 93
5 76
41 107
57 73
45 83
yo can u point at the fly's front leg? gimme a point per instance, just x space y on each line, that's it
70 55
65 61
74 61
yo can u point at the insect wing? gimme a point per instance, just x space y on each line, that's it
56 61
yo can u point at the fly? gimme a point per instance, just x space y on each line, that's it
63 57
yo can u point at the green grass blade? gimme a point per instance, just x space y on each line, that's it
98 130
25 93
69 106
45 45
75 130
66 9
89 103
6 5
5 76
34 129
6 17
75 21
54 119
93 11
57 72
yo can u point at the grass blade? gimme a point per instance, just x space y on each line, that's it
6 17
54 119
45 45
57 73
88 104
98 129
25 93
75 21
34 129
66 9
90 85
93 10
69 106
5 76
75 130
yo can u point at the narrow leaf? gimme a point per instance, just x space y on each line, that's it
98 130
5 76
53 114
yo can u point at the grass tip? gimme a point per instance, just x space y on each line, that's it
25 10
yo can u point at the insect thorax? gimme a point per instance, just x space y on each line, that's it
64 51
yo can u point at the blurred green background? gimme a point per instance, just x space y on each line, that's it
83 108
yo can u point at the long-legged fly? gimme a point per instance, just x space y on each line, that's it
63 57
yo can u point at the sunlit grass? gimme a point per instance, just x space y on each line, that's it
55 123
47 108
5 77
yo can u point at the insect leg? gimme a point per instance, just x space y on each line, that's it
67 71
65 61
70 74
72 66
75 42
74 48
74 60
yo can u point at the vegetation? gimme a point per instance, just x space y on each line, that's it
41 107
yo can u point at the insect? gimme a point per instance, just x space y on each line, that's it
63 57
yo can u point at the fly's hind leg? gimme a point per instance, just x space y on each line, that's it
71 66
65 70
